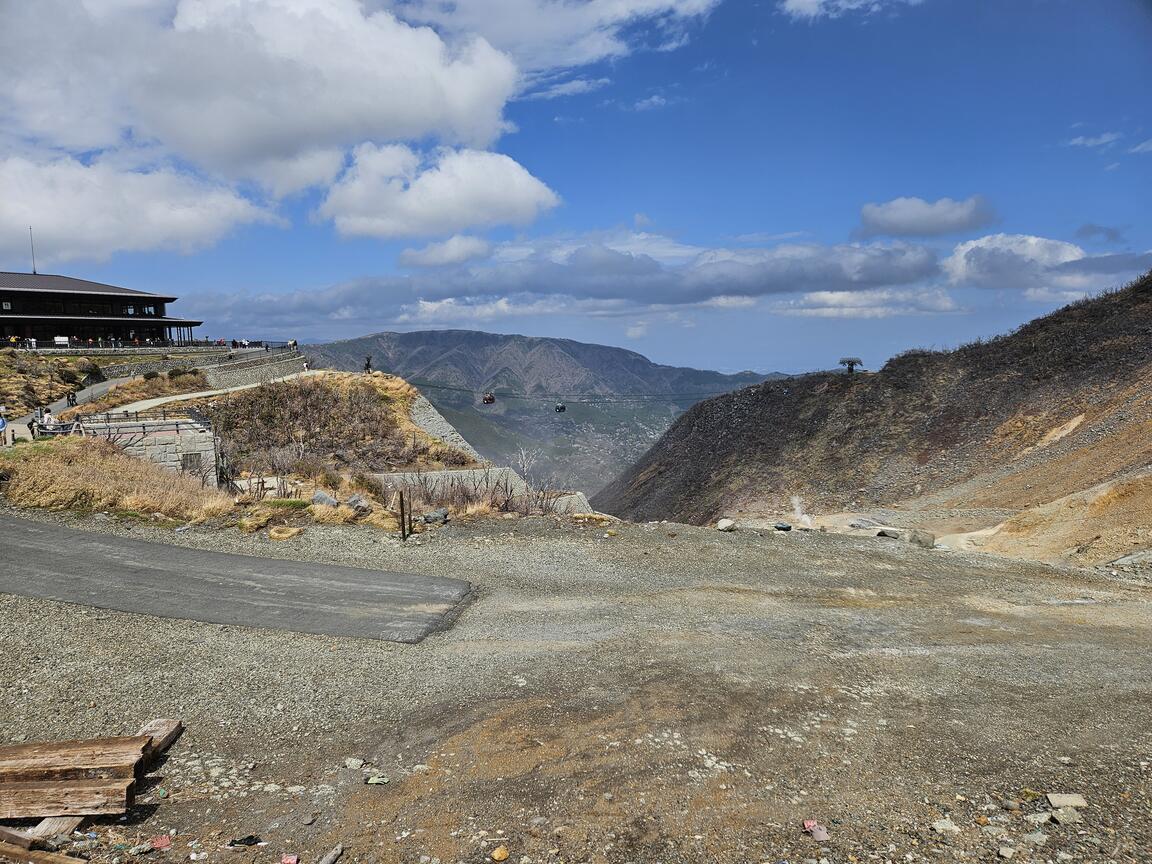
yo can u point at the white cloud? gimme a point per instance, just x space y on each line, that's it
91 211
233 86
874 303
389 192
545 34
455 250
1142 147
810 10
1092 141
915 217
1007 260
474 310
650 103
571 87
637 330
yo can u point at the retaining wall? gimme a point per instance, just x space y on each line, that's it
163 364
178 447
475 480
257 371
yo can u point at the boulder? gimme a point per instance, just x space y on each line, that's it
439 516
322 497
573 502
726 525
360 505
782 526
915 536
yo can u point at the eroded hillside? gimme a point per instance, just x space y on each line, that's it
1060 405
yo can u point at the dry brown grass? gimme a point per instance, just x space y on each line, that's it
29 380
90 474
322 514
134 391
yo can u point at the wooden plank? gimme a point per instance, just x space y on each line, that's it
16 838
16 855
163 734
73 760
68 798
54 825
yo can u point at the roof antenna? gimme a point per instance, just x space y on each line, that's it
33 245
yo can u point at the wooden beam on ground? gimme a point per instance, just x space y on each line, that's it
54 825
16 838
72 760
163 734
16 855
73 798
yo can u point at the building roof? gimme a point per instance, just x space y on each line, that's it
142 320
69 285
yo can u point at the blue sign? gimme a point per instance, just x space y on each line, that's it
3 424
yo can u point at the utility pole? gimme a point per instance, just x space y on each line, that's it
33 246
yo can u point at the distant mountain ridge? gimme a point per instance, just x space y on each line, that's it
523 364
598 436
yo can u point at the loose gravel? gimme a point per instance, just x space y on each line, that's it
624 692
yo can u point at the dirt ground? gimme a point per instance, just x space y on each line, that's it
628 693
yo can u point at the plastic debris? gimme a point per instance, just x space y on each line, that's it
817 831
250 840
500 853
162 841
377 780
289 859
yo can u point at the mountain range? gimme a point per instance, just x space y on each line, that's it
617 402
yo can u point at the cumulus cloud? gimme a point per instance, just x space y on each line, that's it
1039 267
915 217
90 211
455 250
389 191
1094 141
544 34
650 103
316 75
638 330
811 10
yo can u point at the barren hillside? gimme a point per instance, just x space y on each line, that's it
1054 408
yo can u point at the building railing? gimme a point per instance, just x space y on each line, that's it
117 346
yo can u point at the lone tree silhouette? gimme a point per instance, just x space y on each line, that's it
851 363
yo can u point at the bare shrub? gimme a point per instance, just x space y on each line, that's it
92 474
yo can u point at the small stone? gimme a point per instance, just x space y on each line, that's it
1036 838
1066 816
309 819
500 853
608 796
354 763
945 826
1038 818
1005 851
1056 800
726 525
1010 805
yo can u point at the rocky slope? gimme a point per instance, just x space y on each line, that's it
1054 408
618 402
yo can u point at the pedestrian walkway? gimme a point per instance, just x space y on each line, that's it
88 394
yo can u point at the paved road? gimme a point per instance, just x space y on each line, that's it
59 563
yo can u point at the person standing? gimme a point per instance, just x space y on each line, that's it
368 365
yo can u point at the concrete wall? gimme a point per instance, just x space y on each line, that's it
164 364
181 448
256 371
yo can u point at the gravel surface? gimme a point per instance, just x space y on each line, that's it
622 693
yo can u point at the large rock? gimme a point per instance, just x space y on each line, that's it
915 536
573 502
726 525
322 497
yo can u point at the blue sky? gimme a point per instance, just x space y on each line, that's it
713 183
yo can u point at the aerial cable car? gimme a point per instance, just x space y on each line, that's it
561 407
489 398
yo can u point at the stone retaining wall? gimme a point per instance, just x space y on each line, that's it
122 370
261 371
479 481
179 447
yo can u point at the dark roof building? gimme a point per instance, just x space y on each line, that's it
45 308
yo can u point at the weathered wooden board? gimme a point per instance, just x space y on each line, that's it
72 798
54 825
16 838
72 760
163 734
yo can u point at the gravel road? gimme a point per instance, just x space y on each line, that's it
628 693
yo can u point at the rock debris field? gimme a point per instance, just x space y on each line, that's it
625 693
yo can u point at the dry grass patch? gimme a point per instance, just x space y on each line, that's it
135 391
323 514
29 380
90 474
